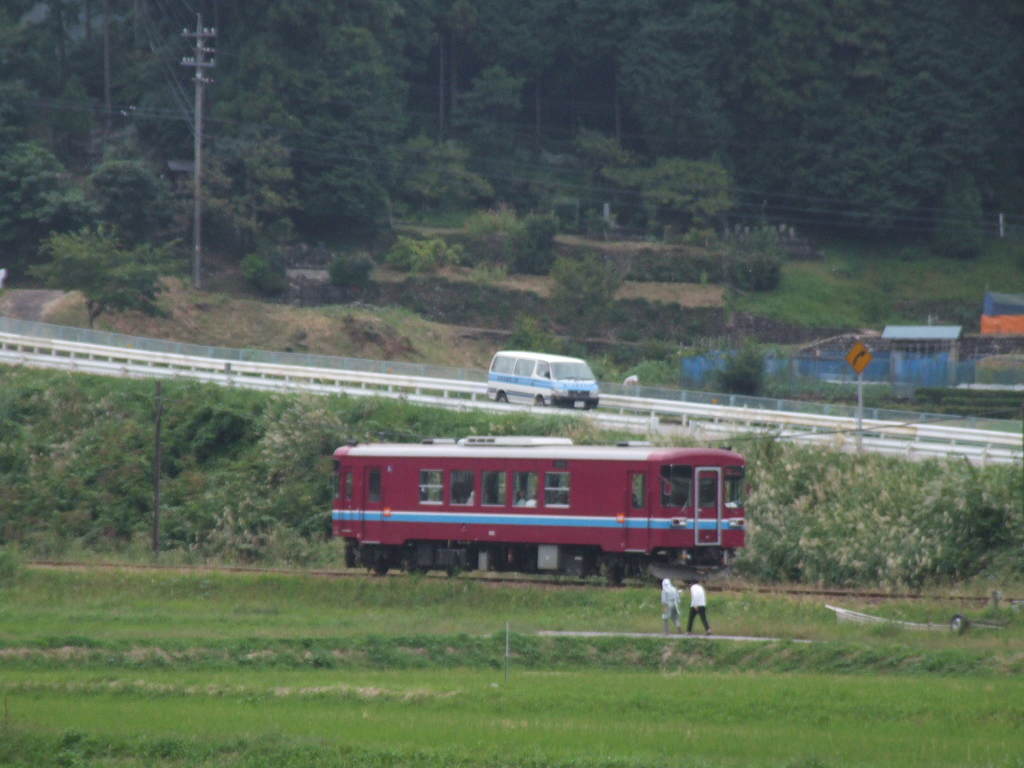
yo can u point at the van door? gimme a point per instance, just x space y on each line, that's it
524 388
709 506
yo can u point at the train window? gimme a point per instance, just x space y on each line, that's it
676 485
462 487
493 488
431 489
734 487
708 491
346 486
556 489
639 488
373 485
525 484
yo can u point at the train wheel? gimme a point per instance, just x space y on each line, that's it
614 571
380 568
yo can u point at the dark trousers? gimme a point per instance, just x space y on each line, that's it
703 617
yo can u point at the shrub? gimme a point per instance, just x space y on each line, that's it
533 243
350 270
10 565
265 270
491 236
583 292
411 255
743 373
754 259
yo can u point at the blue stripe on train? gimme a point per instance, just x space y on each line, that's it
456 518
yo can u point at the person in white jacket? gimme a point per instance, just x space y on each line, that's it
698 607
670 605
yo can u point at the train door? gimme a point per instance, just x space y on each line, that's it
638 518
709 506
373 498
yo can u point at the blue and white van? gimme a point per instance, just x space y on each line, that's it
532 377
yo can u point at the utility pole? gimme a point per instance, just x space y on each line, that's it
157 468
199 63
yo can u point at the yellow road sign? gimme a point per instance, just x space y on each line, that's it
859 357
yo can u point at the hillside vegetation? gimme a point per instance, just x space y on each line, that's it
246 476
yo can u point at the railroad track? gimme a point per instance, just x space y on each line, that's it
517 580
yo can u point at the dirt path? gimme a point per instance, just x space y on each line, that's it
26 304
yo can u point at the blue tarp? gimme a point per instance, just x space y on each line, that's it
919 369
1003 304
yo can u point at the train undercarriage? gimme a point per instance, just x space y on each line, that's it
582 562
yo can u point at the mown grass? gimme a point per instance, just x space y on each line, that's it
572 718
162 668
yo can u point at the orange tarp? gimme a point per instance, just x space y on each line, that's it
1002 324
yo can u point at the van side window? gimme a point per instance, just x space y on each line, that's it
503 364
543 370
524 367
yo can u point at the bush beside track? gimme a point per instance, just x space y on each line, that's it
246 479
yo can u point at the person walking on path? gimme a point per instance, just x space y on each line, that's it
670 605
698 606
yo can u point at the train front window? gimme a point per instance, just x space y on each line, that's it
431 490
676 485
734 477
556 489
708 490
462 487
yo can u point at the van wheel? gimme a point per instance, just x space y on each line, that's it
539 400
501 397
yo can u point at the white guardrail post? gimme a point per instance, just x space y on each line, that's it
639 415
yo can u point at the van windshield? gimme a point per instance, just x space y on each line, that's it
578 370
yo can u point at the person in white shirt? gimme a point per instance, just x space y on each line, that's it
670 605
698 606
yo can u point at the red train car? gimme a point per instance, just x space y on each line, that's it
537 504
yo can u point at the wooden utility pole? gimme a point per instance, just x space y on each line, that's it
157 461
199 63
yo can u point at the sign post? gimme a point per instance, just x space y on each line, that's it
859 358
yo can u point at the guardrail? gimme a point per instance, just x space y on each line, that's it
637 415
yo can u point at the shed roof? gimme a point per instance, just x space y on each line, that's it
922 332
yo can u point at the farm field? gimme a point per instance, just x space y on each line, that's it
198 668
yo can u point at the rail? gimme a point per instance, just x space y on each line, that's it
636 415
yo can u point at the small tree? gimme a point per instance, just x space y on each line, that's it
111 277
350 270
583 292
753 260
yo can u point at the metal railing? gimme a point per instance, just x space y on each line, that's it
891 432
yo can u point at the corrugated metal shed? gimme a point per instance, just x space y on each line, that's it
922 332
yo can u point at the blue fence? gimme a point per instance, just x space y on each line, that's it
937 369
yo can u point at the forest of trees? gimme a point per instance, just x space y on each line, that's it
326 121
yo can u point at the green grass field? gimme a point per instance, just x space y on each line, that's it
162 668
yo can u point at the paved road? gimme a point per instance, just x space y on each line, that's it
676 636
